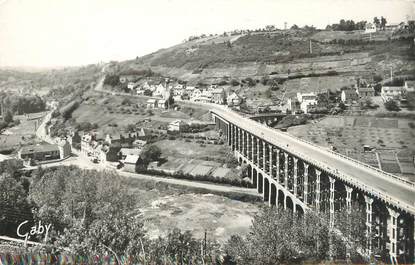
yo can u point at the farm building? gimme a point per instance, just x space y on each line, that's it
349 95
178 126
151 103
391 92
130 163
45 152
234 99
366 92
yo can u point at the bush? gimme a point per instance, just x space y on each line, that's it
235 82
391 105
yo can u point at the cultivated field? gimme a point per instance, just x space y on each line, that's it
392 138
121 111
195 159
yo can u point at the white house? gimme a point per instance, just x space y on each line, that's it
207 94
370 28
151 103
160 91
306 100
131 85
391 92
196 94
177 126
162 104
233 99
293 105
130 163
409 86
349 95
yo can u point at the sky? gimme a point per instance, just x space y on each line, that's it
48 33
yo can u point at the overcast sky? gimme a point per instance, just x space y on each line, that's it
76 32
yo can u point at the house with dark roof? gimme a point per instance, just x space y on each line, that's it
349 95
366 92
38 153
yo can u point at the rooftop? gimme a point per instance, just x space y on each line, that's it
30 149
131 159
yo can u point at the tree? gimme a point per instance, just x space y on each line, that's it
90 211
8 117
294 27
112 80
376 22
383 22
150 153
13 204
148 92
391 105
234 82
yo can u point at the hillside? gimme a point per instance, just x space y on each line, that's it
335 60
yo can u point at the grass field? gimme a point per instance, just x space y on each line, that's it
392 138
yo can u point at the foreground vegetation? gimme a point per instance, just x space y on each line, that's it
93 213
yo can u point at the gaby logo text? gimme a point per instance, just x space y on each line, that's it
26 232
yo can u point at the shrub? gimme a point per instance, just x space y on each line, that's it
391 105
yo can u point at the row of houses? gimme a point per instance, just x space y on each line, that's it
353 94
397 92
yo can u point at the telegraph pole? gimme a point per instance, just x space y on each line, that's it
311 48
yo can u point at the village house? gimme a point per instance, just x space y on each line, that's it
130 163
139 143
349 95
85 144
391 92
409 86
128 78
108 153
189 90
162 104
370 28
196 94
178 126
218 96
45 152
124 152
160 91
131 85
42 152
366 92
74 140
151 103
143 134
306 100
145 86
293 105
233 100
65 149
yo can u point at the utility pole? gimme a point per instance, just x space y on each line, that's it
285 25
391 74
311 48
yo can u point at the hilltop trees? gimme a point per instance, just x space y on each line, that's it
347 25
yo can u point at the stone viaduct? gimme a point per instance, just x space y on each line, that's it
300 176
